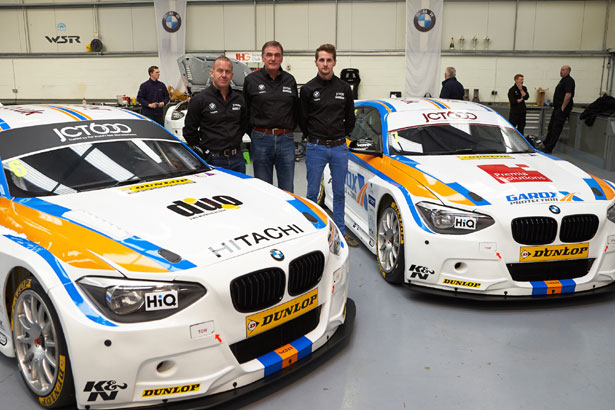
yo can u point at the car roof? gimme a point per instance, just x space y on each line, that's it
19 116
424 104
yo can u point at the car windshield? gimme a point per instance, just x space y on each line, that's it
96 165
456 138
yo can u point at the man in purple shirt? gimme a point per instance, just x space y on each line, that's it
152 96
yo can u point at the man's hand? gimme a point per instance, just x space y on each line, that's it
160 104
152 105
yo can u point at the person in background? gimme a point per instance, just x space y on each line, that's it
451 88
217 118
562 105
153 95
272 99
517 95
327 118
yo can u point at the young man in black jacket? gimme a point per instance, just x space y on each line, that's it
327 118
517 95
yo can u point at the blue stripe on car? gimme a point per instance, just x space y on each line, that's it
273 361
4 125
303 208
69 286
595 189
66 110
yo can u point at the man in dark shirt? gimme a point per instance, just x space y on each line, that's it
562 105
272 99
152 96
517 96
327 118
217 118
451 88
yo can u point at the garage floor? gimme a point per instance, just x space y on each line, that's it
415 351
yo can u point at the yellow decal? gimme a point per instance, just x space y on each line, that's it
166 391
554 253
52 397
461 283
22 286
492 156
156 185
18 168
263 321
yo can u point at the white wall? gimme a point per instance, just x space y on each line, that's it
373 32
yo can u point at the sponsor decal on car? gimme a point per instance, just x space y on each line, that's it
166 391
161 300
553 253
263 321
92 130
449 116
420 272
463 283
202 329
465 223
105 389
253 238
155 185
195 208
520 173
356 188
3 339
545 196
490 156
52 397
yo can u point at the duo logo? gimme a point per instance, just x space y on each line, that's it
357 184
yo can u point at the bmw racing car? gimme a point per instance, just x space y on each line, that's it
451 198
132 273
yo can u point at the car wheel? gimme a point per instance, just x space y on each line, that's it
40 348
390 243
321 193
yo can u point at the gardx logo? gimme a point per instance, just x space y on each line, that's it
357 188
275 316
552 253
193 208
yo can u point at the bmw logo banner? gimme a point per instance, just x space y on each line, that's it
423 45
171 32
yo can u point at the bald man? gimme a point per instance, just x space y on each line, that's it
562 105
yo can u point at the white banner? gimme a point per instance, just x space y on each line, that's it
171 32
423 43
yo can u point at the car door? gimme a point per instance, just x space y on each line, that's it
360 204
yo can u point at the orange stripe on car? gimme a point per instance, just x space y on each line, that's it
62 239
608 191
288 354
317 211
554 287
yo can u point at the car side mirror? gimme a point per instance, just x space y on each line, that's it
535 142
364 146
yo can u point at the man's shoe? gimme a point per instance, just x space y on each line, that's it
351 241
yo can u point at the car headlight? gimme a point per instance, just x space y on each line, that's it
452 221
130 301
335 242
610 213
177 114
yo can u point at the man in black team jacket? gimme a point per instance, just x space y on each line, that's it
517 96
327 118
217 119
272 99
562 105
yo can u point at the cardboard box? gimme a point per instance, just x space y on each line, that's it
540 96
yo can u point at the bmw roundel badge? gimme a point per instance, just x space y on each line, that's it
277 255
554 209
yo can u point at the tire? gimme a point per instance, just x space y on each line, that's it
390 243
40 348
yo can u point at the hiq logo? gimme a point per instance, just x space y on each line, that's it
161 300
356 183
465 223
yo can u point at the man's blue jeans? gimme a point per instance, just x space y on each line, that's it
316 158
269 150
234 162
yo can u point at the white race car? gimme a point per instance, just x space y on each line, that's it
134 274
452 199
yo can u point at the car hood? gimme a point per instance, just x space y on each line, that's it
182 222
505 179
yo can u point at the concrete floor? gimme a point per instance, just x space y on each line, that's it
416 351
